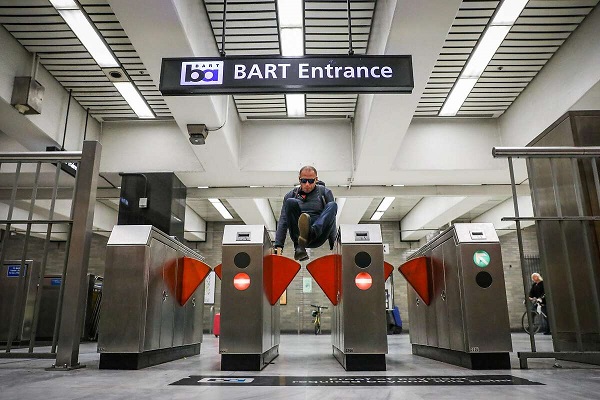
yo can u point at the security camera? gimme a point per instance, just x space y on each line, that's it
198 133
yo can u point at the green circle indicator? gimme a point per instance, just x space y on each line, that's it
481 258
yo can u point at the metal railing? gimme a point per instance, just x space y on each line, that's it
578 157
84 165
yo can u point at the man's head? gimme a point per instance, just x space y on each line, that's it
308 178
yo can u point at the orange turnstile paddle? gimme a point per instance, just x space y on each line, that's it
183 276
387 270
327 272
218 270
278 273
191 276
416 272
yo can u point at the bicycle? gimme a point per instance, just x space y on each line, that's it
316 314
538 318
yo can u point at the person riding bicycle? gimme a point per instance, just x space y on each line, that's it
537 294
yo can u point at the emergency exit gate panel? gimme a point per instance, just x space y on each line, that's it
141 322
249 337
19 285
467 321
359 335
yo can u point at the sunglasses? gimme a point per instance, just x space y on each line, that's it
305 180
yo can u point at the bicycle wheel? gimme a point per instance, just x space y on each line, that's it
535 320
317 327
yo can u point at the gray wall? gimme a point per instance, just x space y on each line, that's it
296 314
513 274
56 252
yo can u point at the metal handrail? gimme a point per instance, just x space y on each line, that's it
592 153
548 151
39 156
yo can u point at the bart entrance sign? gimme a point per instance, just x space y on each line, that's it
335 74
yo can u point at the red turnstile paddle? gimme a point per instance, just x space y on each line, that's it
278 273
418 275
326 271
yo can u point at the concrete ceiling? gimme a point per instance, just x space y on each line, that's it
365 147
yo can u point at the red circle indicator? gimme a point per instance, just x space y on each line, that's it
363 281
241 281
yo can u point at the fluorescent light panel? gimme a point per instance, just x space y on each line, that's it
290 13
493 37
89 37
377 216
509 12
458 95
64 4
385 203
292 42
134 98
220 208
485 50
295 105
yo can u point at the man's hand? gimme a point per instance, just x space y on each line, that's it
277 250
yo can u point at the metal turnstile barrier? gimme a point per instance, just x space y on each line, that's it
457 305
354 281
75 228
152 301
18 290
253 280
19 294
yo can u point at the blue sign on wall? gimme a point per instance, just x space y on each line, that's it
13 271
55 281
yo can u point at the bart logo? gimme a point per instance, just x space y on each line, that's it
202 73
226 380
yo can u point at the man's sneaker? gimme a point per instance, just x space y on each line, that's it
304 228
300 254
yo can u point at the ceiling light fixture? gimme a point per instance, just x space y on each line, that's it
290 13
291 33
458 95
292 42
295 105
134 98
488 44
220 208
377 216
383 206
385 203
82 27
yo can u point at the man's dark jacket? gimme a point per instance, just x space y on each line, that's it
311 203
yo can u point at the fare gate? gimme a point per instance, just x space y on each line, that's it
457 306
353 279
152 307
253 280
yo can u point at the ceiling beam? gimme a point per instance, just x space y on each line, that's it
195 226
255 212
419 29
506 209
352 209
432 213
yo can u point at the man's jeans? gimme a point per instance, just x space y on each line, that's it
321 227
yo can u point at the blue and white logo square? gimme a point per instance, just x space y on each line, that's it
201 73
226 380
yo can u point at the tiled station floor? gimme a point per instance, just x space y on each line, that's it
300 356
